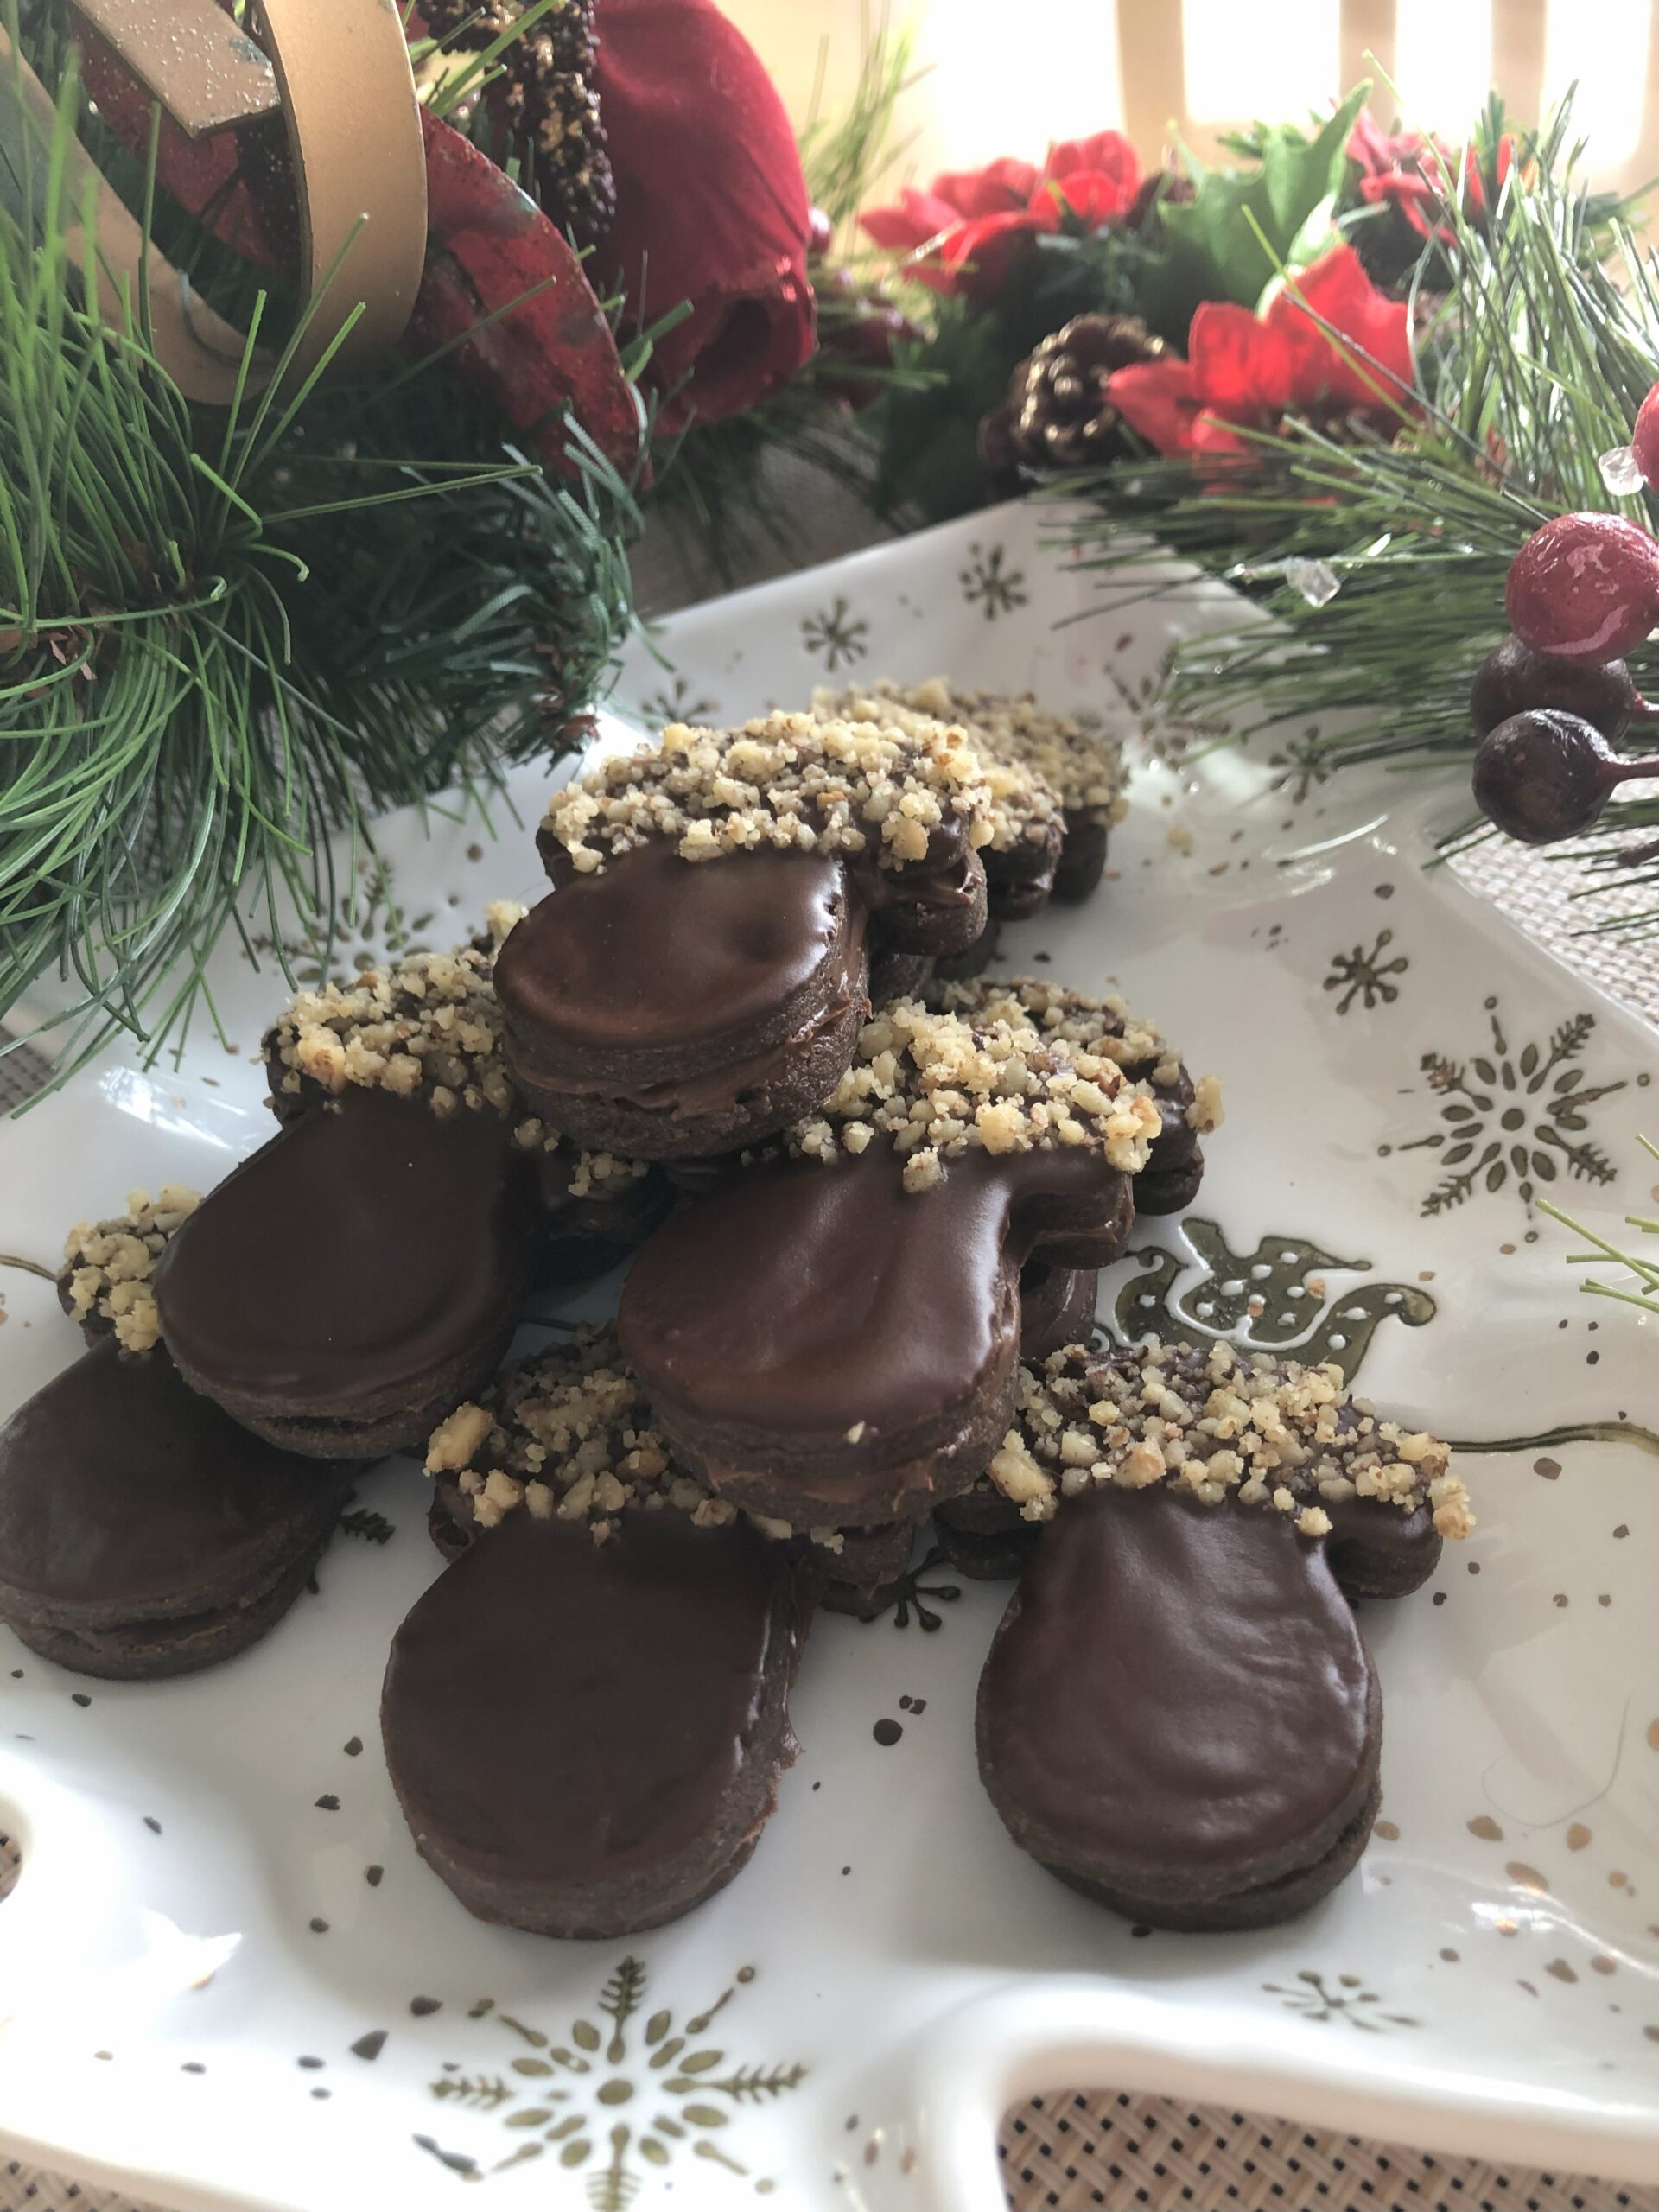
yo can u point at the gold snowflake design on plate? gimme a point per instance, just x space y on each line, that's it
602 2099
837 633
1360 973
1316 1998
1302 766
678 702
990 586
1514 1116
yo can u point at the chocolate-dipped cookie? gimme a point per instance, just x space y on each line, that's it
586 1738
567 1434
831 1337
1057 787
428 1028
343 1288
1382 1496
1177 1716
1105 1026
142 1532
104 1283
697 979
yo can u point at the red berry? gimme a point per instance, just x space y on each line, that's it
1584 587
1644 439
820 232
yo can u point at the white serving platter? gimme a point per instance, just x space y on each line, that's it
226 1979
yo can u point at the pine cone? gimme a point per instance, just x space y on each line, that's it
1057 415
544 106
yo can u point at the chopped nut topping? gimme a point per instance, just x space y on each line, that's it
1216 1422
107 1265
1103 1026
567 1436
784 780
1004 1067
427 1028
1025 807
1034 761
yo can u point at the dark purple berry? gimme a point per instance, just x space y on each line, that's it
1544 775
1513 679
820 232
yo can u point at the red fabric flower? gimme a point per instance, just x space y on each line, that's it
1246 371
711 206
964 232
1418 177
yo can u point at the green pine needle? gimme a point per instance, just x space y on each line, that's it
1645 1293
224 637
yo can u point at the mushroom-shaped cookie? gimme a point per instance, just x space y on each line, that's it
585 1717
1057 786
697 979
143 1533
1178 1715
568 1435
832 1335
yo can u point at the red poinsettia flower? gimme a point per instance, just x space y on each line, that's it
1247 372
964 232
1418 177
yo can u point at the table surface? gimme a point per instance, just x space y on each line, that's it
1071 2149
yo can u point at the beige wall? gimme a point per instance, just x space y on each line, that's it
1005 76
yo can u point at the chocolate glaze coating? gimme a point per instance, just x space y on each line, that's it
346 1285
586 1739
665 1007
1177 1709
140 1526
1057 1307
1377 1551
1083 856
768 1320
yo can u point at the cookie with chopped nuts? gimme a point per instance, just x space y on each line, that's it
567 1436
354 1277
1221 1423
1057 787
1177 1716
587 1739
427 1028
1027 825
1104 1026
143 1533
832 1336
697 979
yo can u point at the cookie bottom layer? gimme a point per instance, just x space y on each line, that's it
1261 1905
158 1650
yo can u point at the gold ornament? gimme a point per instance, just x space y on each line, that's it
338 72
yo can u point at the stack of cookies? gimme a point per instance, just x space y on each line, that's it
751 1031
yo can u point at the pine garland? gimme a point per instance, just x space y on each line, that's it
1529 367
222 638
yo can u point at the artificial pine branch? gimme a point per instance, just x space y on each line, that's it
223 638
1529 367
